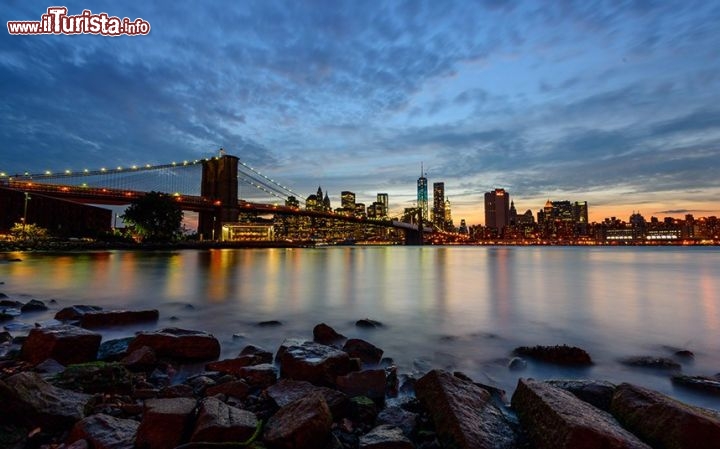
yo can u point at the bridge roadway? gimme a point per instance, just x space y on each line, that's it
118 197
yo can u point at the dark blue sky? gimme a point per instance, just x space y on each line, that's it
615 103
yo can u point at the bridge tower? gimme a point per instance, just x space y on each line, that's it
220 185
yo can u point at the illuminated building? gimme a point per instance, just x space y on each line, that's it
383 199
240 232
438 215
422 194
449 226
497 209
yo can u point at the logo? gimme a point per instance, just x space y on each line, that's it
57 21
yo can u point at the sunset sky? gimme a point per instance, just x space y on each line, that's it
614 103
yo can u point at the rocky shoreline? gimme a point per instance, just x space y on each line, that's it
62 386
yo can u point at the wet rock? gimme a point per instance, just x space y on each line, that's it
5 337
33 305
367 323
5 316
66 344
559 355
363 409
398 417
556 419
262 355
96 377
237 389
385 437
326 335
176 391
140 359
109 318
361 349
313 362
665 422
705 384
517 364
10 304
219 422
595 392
114 350
28 399
286 391
304 423
684 354
234 366
370 383
163 423
269 323
105 432
463 413
179 344
660 363
73 313
260 376
49 367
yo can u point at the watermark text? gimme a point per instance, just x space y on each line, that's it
57 21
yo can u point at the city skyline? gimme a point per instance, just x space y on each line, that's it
615 105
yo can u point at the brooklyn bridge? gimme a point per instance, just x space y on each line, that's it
219 189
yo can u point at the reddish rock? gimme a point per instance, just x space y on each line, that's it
237 389
313 362
361 349
95 319
385 437
233 366
665 422
26 398
304 423
261 354
105 432
219 422
33 305
286 391
370 383
705 384
398 417
140 359
560 355
326 335
261 376
176 391
556 419
179 344
595 392
66 344
463 413
163 422
73 313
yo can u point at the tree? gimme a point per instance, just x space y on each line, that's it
30 232
155 216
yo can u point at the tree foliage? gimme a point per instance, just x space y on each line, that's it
156 217
30 232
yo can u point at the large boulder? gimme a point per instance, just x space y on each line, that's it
73 313
370 383
179 344
96 377
658 363
397 416
26 398
385 437
556 419
164 423
665 422
706 384
559 355
260 376
368 353
595 392
464 414
95 319
105 432
219 422
313 362
286 391
326 335
234 366
304 423
66 344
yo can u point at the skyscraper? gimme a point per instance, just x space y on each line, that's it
497 209
422 194
382 198
347 200
438 216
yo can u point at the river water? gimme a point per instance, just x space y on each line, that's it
460 308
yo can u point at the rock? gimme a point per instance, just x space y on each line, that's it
326 335
261 354
385 437
665 422
66 344
164 423
595 392
304 423
361 349
367 323
33 305
661 363
140 359
363 409
10 304
50 367
313 362
517 364
286 391
556 419
237 389
269 323
560 355
114 350
73 313
105 432
5 337
463 413
684 354
261 376
176 391
96 377
233 366
179 344
370 383
398 417
95 319
5 316
29 400
706 384
219 422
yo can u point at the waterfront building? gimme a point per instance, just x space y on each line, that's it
438 212
449 226
497 210
383 199
422 194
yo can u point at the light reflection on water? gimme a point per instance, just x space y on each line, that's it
461 308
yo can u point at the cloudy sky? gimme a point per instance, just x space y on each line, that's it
615 103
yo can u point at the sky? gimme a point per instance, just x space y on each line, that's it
616 103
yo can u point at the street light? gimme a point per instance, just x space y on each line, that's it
27 198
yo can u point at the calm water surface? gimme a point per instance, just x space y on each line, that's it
462 308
